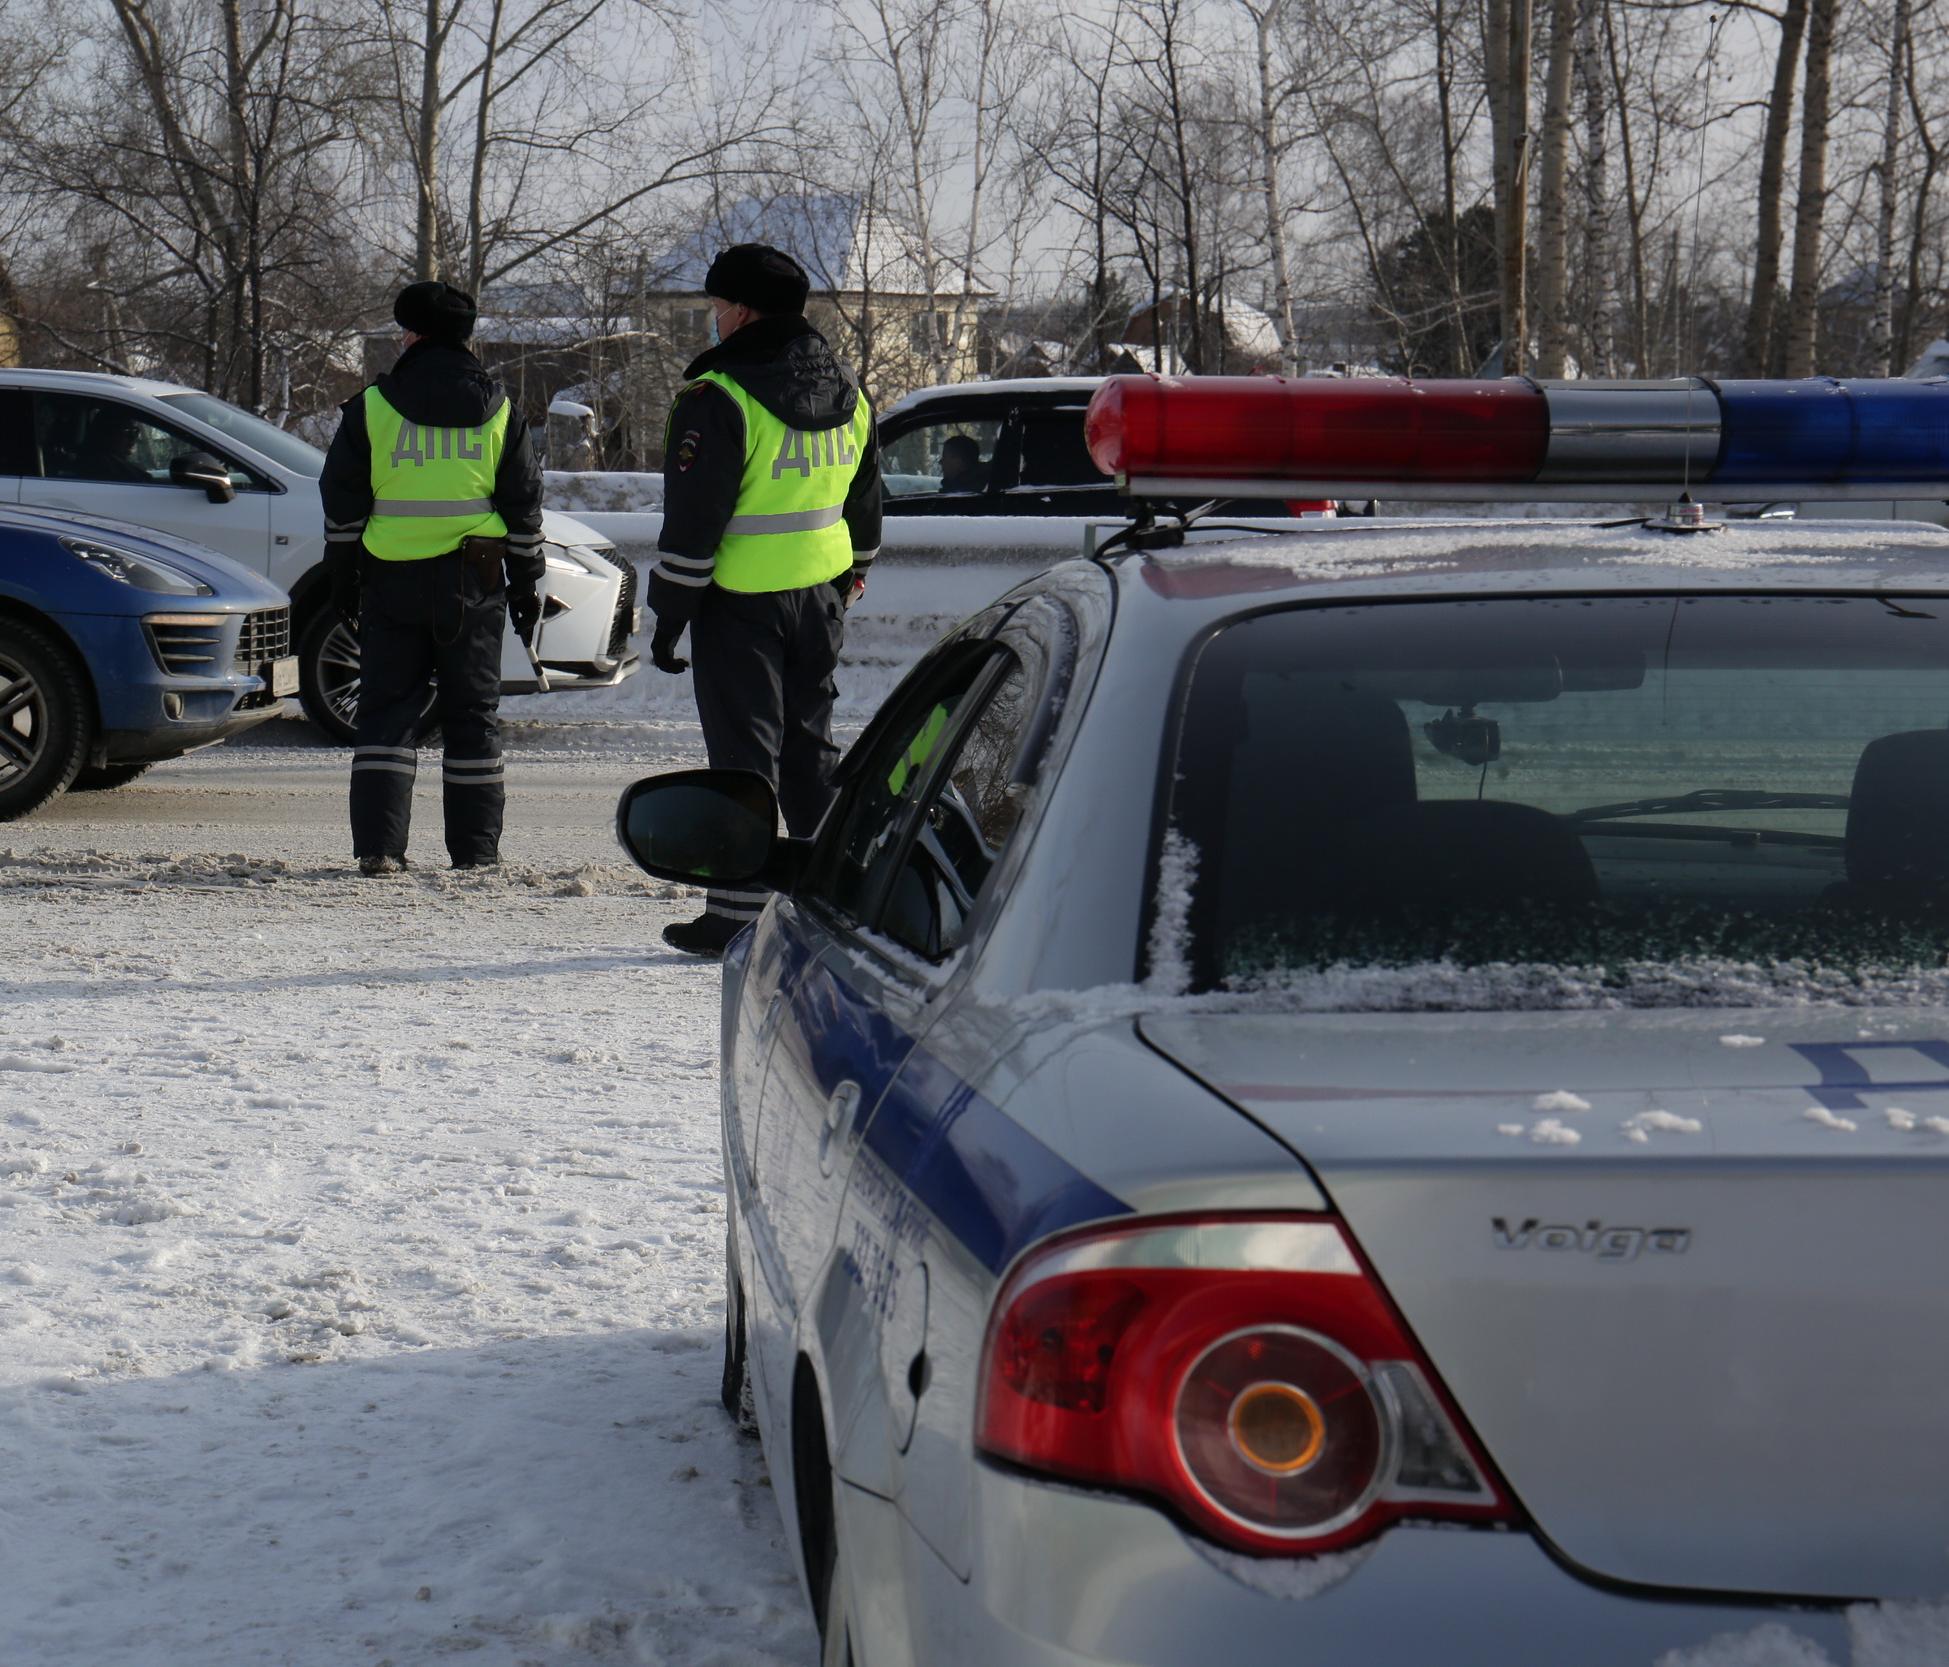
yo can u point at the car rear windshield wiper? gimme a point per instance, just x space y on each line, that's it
1710 799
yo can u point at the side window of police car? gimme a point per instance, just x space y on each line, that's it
972 809
80 437
927 810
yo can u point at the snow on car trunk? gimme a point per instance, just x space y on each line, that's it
1682 1271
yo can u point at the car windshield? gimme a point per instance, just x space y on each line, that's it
266 439
1601 783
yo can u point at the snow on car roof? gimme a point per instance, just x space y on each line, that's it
1001 385
1472 557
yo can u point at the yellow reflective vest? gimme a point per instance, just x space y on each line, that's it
431 487
790 527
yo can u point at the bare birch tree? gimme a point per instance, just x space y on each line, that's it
1810 204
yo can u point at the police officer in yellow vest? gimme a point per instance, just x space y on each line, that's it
432 499
771 517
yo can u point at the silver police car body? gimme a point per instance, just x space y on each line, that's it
1380 1094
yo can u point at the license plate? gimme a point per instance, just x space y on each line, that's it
284 676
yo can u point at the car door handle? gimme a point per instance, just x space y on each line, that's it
840 1106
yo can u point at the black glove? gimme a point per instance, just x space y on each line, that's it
345 591
851 586
663 649
524 612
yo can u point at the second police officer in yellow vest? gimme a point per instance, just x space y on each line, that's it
432 497
771 517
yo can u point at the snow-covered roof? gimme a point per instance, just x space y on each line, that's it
1166 359
847 246
549 332
1933 361
1367 558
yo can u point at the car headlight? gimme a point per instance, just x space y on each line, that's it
562 559
143 572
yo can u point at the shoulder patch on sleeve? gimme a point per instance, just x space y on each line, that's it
687 449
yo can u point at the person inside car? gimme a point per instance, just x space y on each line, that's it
961 467
109 452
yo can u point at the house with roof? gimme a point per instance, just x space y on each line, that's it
871 297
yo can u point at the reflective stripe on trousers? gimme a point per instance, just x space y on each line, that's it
740 906
403 761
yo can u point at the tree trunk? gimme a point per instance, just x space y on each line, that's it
1803 299
1600 336
1918 239
483 131
426 150
1553 198
1275 226
1633 212
1506 49
1881 329
1756 347
1450 206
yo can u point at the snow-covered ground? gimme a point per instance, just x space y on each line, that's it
360 1241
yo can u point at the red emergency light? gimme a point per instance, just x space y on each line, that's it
1224 430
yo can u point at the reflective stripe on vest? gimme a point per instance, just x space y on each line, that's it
431 487
789 530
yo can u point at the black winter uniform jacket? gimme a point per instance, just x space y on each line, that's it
787 367
435 386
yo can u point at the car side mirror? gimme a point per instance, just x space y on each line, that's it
197 468
707 828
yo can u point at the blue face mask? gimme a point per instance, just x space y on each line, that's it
716 339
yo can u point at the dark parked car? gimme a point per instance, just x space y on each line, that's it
1009 448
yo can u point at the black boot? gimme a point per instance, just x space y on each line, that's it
706 935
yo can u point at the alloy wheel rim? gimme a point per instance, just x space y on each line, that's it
338 672
23 722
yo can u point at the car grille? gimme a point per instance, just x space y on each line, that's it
266 636
625 603
188 647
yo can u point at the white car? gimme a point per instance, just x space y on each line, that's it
202 469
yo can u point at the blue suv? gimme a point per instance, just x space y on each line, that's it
120 647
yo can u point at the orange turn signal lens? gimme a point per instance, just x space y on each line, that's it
1277 1428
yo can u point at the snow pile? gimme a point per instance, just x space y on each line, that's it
1639 1128
574 490
362 1253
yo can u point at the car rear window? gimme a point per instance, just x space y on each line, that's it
1591 781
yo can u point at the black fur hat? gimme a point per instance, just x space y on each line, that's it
437 311
757 276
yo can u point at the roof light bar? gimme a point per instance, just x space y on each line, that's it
1227 436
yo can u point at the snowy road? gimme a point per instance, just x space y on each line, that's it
360 1240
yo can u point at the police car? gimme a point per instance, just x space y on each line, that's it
173 460
117 650
1378 1094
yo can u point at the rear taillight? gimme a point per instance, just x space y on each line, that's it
1249 1372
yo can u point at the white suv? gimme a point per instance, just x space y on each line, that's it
159 456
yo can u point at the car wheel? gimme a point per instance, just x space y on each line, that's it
100 778
328 677
815 1486
328 674
46 718
836 1646
735 1388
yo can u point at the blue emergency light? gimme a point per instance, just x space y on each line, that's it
1229 436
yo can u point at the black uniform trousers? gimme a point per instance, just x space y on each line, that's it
423 625
763 666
